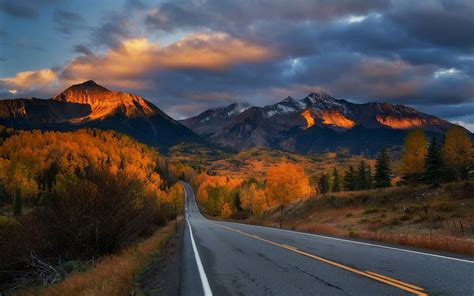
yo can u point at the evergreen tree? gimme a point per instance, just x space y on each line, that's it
433 163
17 205
336 187
349 179
362 181
382 170
370 177
324 183
470 170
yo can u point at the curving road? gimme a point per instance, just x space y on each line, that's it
224 258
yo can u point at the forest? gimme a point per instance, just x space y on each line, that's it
71 197
423 161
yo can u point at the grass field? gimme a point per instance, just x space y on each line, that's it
436 218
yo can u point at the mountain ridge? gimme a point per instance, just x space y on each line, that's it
89 105
315 123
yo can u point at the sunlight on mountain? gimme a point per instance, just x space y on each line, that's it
308 117
336 119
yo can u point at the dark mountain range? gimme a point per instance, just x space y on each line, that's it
91 105
316 123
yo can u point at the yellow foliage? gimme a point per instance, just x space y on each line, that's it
457 148
413 160
286 182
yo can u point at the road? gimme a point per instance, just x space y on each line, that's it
224 258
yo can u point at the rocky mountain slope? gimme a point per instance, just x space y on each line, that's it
91 105
315 123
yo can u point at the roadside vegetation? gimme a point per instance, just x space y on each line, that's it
67 199
400 200
112 274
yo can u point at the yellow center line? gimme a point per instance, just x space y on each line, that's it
386 280
395 281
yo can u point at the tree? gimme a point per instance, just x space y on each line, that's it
17 205
383 172
362 178
336 187
433 163
413 159
323 183
175 197
349 179
470 170
286 182
370 177
456 151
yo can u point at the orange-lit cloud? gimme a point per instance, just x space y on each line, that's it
28 81
127 65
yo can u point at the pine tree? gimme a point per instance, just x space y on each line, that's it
433 163
336 187
349 179
382 170
370 177
17 205
470 170
324 183
362 182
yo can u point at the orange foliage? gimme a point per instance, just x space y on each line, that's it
33 153
286 182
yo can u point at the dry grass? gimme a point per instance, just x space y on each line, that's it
420 217
112 275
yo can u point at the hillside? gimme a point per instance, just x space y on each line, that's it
405 215
93 106
316 123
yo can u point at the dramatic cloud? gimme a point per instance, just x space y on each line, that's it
131 64
188 55
28 81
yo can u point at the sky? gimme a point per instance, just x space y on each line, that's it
189 55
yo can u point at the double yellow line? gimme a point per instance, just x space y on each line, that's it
372 275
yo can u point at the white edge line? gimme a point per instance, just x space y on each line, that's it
202 274
360 243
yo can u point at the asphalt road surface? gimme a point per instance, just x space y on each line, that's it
224 258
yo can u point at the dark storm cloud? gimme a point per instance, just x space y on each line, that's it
67 21
445 23
24 8
227 14
83 49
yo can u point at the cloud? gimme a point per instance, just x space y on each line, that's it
83 49
135 61
67 21
29 81
24 8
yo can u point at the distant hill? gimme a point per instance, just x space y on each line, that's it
316 123
91 105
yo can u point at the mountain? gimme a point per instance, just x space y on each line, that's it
91 105
316 123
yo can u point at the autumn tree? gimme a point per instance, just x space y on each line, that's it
413 159
17 205
433 163
383 171
175 197
336 187
323 183
286 182
456 151
350 179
